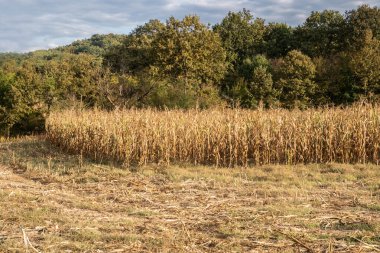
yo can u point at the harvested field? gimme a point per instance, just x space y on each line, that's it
222 138
66 203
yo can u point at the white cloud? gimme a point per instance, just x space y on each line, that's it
36 24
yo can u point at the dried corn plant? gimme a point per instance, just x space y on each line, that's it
221 137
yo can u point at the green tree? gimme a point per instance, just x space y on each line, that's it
7 118
188 50
279 40
242 38
359 21
156 57
135 54
262 88
97 45
335 81
6 58
22 107
242 35
255 87
365 65
322 33
133 63
73 77
296 74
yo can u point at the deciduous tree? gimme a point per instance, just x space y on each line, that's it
296 72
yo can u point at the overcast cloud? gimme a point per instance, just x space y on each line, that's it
27 25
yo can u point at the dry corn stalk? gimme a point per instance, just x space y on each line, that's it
221 137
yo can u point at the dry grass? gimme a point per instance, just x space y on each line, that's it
225 138
69 204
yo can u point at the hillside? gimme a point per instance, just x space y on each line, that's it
97 45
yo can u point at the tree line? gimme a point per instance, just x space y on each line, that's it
331 59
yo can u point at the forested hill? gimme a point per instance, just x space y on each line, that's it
331 59
97 45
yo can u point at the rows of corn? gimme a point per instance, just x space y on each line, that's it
221 137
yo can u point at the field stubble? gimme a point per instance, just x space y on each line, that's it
66 203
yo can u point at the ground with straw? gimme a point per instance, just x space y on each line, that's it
67 203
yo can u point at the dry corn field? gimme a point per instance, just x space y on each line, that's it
221 137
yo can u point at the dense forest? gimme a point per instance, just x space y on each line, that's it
331 59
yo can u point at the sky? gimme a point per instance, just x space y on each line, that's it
27 25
